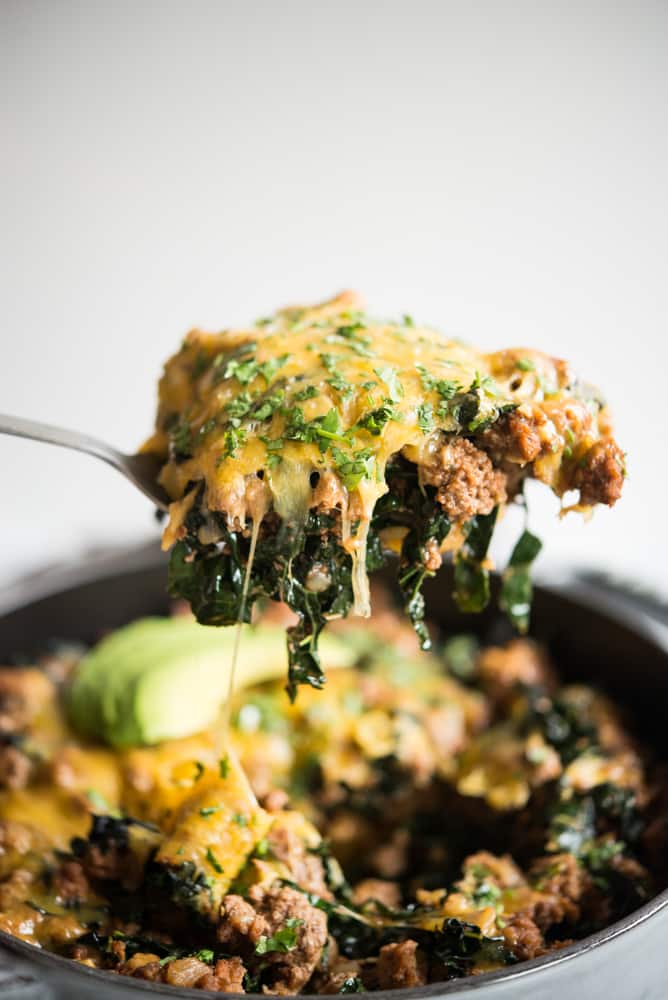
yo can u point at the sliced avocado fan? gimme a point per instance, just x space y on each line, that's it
164 678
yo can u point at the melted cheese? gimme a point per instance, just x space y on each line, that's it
229 401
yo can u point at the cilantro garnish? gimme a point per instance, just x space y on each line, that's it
353 468
214 862
425 417
391 379
283 940
375 420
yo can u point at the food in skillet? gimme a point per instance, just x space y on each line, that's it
339 439
426 816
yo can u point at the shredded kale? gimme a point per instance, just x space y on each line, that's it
517 589
471 574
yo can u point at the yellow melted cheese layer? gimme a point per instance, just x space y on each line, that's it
372 364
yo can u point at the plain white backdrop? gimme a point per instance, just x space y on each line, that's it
498 169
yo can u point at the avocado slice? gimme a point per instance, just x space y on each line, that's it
165 678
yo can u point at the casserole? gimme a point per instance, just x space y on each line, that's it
591 642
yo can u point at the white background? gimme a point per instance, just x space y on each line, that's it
498 169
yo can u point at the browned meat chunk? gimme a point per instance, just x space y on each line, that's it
523 937
306 868
245 925
23 693
600 475
227 977
329 493
142 965
401 965
562 882
15 767
514 438
467 482
387 893
70 883
340 972
520 663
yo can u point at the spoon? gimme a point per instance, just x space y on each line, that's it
142 470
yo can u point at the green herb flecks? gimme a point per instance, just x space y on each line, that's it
214 862
283 940
390 377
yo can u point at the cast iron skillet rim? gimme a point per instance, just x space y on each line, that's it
116 565
45 958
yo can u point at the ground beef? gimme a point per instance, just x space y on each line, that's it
513 438
275 800
15 888
600 475
385 892
432 556
329 493
334 978
562 883
522 936
15 767
306 869
70 883
142 965
227 976
389 860
401 964
244 922
520 663
467 482
500 868
23 691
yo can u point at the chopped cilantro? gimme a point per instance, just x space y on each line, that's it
240 820
209 810
310 392
262 848
205 955
329 361
239 406
283 940
274 447
199 769
214 862
391 379
486 383
266 407
181 437
353 468
224 766
250 369
425 417
445 387
100 804
234 438
375 420
343 387
526 365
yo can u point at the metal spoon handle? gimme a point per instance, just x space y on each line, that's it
37 431
142 470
